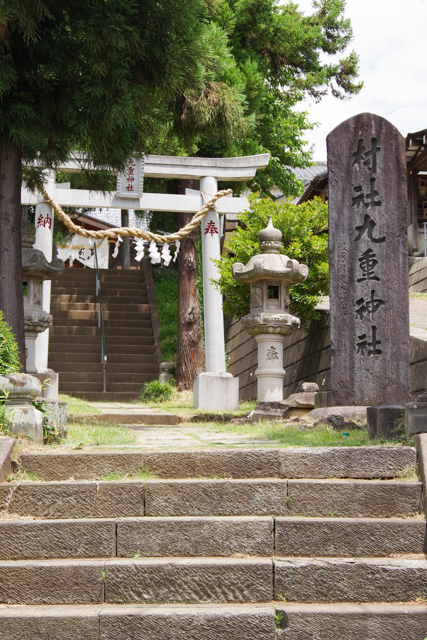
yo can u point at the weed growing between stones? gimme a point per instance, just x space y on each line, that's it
156 391
142 474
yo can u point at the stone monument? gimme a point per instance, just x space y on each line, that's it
368 254
270 274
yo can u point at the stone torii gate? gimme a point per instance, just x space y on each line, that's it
215 389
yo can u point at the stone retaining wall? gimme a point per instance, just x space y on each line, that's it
307 357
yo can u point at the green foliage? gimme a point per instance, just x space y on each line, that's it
166 290
9 355
304 239
156 391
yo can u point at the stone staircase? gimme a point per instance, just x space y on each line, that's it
75 339
290 544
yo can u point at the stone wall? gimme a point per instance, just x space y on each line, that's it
418 275
307 358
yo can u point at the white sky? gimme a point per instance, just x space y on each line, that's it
389 39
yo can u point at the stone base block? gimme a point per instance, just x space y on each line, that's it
385 421
55 416
322 399
6 446
216 392
27 421
416 417
50 382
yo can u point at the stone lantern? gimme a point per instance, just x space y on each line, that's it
270 274
35 269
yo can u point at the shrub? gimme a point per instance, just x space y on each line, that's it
9 353
305 239
156 391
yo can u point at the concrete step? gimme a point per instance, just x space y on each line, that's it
109 396
169 498
351 462
129 371
57 308
350 580
81 388
134 312
128 343
121 372
351 621
66 299
140 580
79 328
142 622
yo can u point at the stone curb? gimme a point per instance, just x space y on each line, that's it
340 462
421 444
352 621
199 497
6 446
145 622
226 536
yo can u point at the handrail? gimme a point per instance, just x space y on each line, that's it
100 320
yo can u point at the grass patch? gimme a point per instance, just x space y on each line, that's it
83 434
77 405
289 436
420 296
142 474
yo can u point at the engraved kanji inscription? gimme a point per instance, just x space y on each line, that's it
368 307
367 264
367 158
368 226
370 349
272 353
368 200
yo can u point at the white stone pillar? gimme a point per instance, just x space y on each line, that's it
270 372
44 242
214 390
212 298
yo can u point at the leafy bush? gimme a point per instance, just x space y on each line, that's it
9 353
305 239
156 391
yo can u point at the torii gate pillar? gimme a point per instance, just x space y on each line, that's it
213 390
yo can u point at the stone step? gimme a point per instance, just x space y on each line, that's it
64 300
210 536
335 462
130 537
334 580
212 580
81 388
137 580
78 327
85 342
134 313
351 621
68 369
108 396
109 304
169 498
143 622
122 373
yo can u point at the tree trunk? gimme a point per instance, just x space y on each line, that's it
11 298
190 351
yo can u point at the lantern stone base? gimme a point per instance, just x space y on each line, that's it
21 390
50 381
270 372
216 392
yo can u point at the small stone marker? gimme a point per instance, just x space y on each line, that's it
368 253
